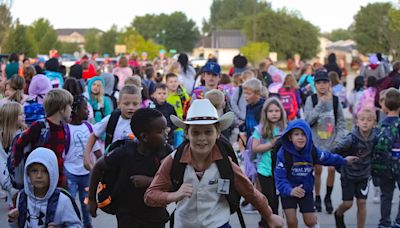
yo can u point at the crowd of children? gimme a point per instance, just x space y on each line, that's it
127 122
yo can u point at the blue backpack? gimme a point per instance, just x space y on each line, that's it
50 210
56 79
33 112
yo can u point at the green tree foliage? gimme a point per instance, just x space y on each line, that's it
92 40
393 33
232 14
43 35
68 48
255 51
135 42
108 40
19 41
5 22
371 27
174 31
339 34
285 33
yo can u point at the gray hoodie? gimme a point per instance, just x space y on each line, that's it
354 144
239 110
65 215
325 130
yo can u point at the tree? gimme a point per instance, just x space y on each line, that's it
108 40
339 34
393 32
174 31
92 40
19 41
135 42
69 48
43 35
370 26
5 22
232 14
255 51
285 33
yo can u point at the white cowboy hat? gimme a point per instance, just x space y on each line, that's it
202 112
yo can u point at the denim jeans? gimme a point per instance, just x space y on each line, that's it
79 183
387 186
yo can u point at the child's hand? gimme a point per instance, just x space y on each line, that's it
275 221
184 191
141 181
92 208
87 164
351 159
13 215
52 225
298 192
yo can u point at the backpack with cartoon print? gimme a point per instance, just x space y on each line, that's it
386 152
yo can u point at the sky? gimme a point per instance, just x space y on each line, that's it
325 14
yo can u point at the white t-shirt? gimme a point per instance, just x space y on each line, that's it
122 130
73 160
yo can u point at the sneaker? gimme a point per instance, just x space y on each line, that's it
339 220
328 205
317 204
396 225
377 195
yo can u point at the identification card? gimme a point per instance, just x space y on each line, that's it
223 186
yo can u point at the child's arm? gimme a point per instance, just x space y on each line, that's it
281 180
88 149
158 195
312 113
259 147
29 136
344 145
330 159
96 174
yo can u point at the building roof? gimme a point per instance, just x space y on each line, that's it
69 31
223 39
345 45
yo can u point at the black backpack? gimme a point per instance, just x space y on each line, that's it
52 203
224 168
111 182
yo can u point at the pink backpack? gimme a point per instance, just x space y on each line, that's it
367 100
289 102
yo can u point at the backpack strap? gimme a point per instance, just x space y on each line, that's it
226 172
22 208
178 168
89 126
67 133
335 107
76 209
111 125
240 94
52 206
314 99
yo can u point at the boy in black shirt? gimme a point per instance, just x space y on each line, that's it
139 162
159 103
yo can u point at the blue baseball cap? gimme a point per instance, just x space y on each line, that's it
212 67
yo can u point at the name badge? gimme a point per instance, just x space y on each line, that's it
223 186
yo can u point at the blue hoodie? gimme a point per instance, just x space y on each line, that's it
302 168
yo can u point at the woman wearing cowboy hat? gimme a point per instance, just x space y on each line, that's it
203 193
